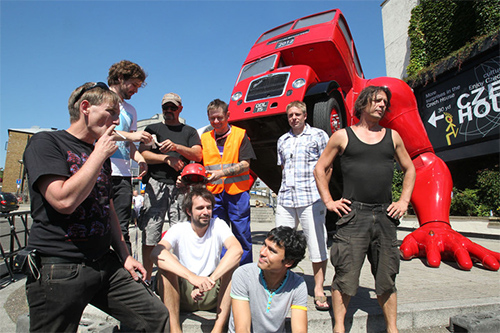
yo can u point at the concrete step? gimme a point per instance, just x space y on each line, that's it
262 214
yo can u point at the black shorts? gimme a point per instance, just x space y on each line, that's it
365 230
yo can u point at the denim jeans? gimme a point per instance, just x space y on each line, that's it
57 300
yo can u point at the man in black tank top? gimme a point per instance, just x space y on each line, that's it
367 226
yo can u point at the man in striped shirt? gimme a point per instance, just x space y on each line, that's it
298 198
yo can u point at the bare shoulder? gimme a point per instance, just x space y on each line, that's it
396 138
339 135
339 138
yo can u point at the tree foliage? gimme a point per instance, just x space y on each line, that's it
488 191
481 200
438 28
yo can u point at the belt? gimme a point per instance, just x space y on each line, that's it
366 206
65 260
60 260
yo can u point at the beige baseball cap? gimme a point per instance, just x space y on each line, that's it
172 98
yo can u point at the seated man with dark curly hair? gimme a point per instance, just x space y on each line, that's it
262 293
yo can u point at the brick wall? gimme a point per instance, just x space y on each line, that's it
13 169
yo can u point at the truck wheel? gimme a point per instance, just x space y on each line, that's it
328 116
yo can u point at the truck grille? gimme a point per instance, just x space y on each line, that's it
267 86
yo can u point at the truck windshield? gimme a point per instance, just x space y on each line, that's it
313 20
257 67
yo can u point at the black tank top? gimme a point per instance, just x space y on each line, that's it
367 169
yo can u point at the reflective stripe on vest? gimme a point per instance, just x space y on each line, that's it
213 161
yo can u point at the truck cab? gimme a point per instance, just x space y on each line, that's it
312 59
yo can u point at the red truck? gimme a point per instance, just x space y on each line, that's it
313 59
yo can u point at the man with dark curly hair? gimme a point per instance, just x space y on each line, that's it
368 215
269 288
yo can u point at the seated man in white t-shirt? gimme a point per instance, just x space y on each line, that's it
193 277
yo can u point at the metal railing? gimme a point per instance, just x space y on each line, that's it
13 244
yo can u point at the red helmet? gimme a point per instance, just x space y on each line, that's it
193 173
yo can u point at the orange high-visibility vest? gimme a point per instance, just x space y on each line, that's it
213 161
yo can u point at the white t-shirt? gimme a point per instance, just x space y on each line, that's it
120 161
138 201
200 255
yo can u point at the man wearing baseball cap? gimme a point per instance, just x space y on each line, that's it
175 145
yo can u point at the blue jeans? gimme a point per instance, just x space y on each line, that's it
235 210
57 300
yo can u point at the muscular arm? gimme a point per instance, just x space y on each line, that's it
66 194
230 260
242 315
234 170
193 153
323 170
117 240
139 136
136 156
155 158
397 209
118 244
299 320
165 260
151 157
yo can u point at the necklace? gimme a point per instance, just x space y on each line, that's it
272 290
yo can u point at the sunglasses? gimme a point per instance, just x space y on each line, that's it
101 85
170 107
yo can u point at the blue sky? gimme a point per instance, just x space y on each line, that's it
193 48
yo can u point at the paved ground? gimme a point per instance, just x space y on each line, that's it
427 297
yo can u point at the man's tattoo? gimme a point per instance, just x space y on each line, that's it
234 170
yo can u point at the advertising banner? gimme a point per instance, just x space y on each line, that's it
465 108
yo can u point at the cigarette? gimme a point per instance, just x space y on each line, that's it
121 135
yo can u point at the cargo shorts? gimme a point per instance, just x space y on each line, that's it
161 202
366 230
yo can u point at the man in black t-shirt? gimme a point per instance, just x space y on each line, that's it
75 224
175 145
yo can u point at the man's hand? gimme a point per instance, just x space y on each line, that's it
143 169
340 207
215 175
179 183
197 295
167 146
132 265
397 209
176 163
204 283
106 144
141 136
436 239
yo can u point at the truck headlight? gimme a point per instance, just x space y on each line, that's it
236 96
298 83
